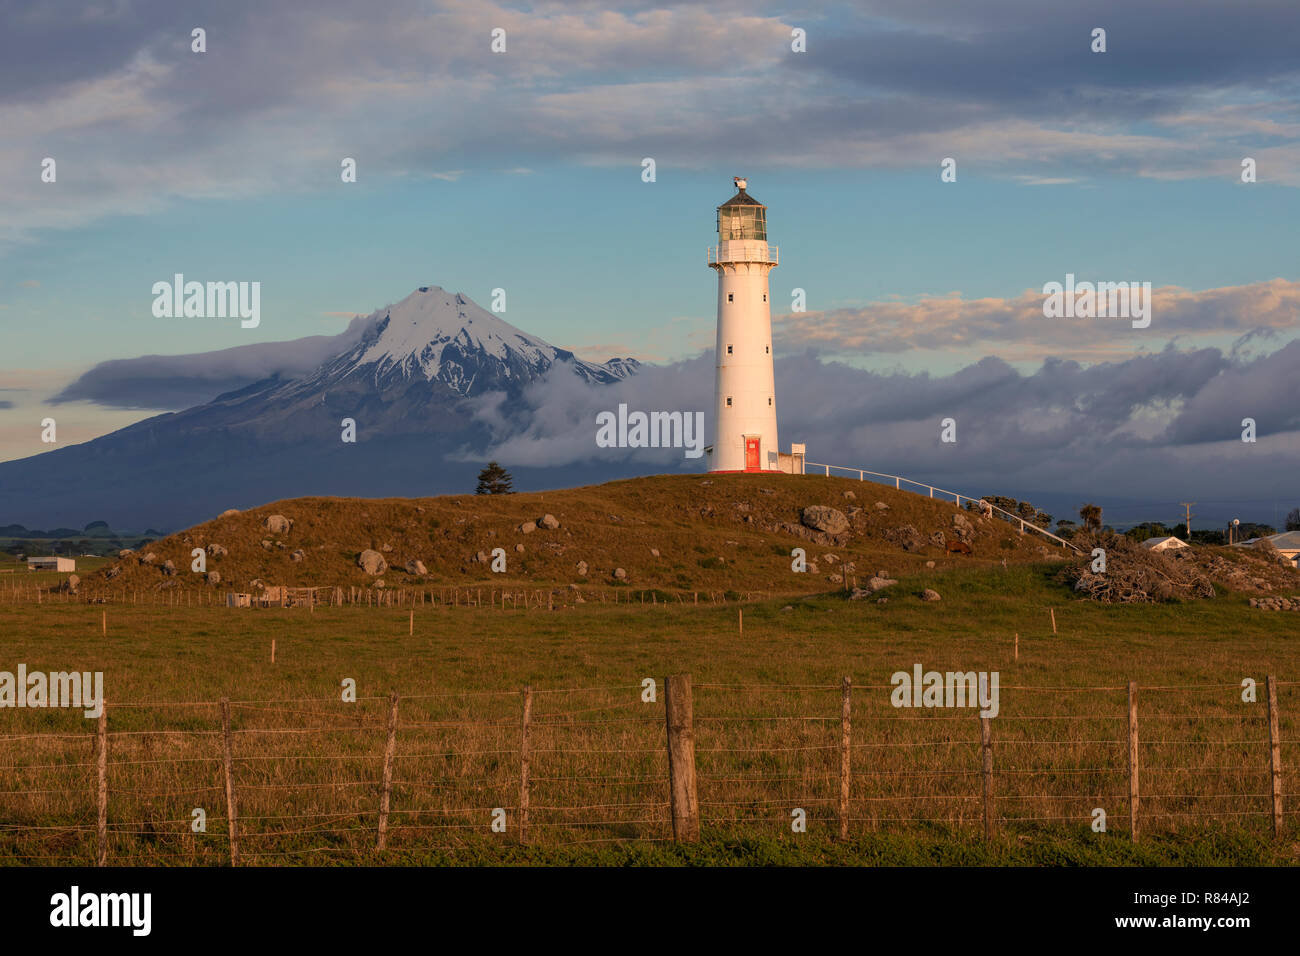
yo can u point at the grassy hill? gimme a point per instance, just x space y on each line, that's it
717 532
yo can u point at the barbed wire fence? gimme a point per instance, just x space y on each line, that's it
266 781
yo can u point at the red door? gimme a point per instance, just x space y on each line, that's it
751 454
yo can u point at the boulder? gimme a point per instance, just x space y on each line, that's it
387 549
654 552
216 551
582 569
620 574
228 513
149 558
548 522
850 496
266 544
906 537
298 556
113 572
876 582
125 552
962 528
416 566
881 506
168 568
929 594
277 524
519 548
823 518
938 540
372 562
528 527
73 582
214 577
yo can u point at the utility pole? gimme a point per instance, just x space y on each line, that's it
1188 506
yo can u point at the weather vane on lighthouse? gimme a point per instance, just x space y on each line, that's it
745 391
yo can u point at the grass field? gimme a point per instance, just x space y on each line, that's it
767 710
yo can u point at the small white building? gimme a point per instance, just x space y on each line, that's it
51 564
1287 544
1164 544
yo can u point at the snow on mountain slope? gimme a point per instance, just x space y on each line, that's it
445 337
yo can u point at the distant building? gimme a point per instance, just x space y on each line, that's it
1287 544
1164 544
51 564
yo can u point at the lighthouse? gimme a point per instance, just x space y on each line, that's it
744 437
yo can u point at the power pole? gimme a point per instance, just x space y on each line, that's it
1188 506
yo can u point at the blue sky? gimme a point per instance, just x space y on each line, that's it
522 170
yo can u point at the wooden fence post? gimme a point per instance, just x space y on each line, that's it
232 813
1133 759
101 763
680 716
525 761
846 693
1275 756
385 795
986 750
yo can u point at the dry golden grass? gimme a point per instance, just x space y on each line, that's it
693 521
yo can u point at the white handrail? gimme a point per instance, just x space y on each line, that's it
957 498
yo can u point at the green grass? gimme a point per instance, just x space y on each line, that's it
603 746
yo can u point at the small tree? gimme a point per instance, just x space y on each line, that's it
1091 515
1293 520
493 480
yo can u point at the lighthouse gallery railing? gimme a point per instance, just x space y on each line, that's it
745 255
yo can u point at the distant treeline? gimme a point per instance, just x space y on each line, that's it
96 529
1066 527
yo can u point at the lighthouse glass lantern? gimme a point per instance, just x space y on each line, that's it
745 438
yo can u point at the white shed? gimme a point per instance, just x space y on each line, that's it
51 564
1164 544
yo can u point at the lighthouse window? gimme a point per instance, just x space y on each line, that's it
728 401
728 349
731 297
764 296
769 399
767 350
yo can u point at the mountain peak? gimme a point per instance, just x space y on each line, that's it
416 333
443 336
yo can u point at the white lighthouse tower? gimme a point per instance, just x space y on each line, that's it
744 438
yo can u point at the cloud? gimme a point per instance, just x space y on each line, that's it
1147 427
1017 330
136 120
173 382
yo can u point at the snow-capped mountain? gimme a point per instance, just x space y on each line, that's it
413 377
444 337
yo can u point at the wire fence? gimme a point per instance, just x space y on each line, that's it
192 592
265 781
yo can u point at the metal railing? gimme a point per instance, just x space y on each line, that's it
957 497
744 255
